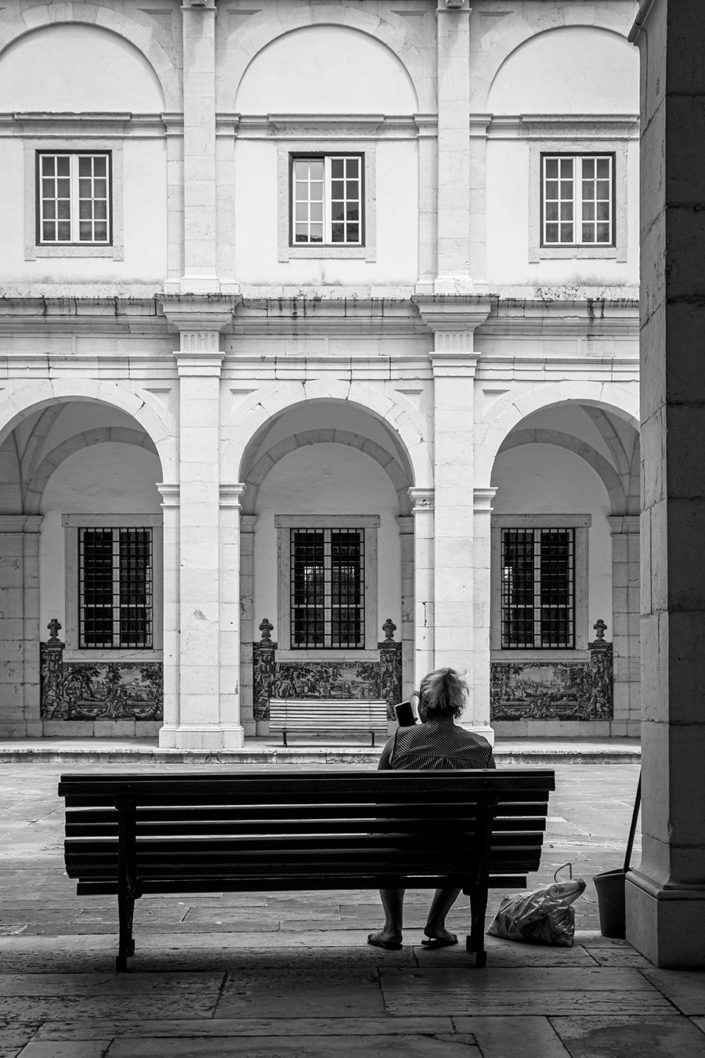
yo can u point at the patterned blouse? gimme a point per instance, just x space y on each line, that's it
439 744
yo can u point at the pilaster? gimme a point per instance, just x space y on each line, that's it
170 612
199 158
422 510
230 506
482 551
453 41
625 624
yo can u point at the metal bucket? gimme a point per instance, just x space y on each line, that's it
609 886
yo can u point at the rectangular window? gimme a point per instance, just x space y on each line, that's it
538 589
326 200
115 588
74 198
577 200
327 588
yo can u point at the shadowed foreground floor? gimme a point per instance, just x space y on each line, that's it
291 975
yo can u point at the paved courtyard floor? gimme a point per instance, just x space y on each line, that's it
291 976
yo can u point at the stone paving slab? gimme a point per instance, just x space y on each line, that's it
666 1036
515 1037
140 984
251 1027
535 990
301 993
294 1046
685 988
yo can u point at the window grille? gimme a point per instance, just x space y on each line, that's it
327 588
115 588
327 200
538 589
578 200
74 198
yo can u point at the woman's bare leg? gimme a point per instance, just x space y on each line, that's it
393 906
443 900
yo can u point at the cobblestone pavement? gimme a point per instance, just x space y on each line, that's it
290 975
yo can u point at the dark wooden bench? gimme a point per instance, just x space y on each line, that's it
287 715
252 831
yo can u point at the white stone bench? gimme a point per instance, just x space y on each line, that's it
331 714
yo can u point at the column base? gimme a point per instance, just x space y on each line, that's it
201 738
666 923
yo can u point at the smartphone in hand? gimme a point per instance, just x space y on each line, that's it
405 714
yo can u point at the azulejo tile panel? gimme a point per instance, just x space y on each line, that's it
105 690
553 690
362 680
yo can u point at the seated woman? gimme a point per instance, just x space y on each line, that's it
435 743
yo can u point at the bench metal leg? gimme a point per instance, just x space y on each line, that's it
476 939
126 911
284 738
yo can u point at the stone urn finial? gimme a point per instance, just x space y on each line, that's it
389 628
54 627
600 628
266 628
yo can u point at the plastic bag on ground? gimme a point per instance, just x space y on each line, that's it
543 916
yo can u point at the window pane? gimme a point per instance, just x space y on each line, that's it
603 167
100 231
48 165
48 232
353 233
566 232
64 231
603 233
551 167
63 165
337 167
551 233
337 189
338 232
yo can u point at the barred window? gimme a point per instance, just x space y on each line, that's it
115 588
74 198
327 593
538 589
578 200
326 200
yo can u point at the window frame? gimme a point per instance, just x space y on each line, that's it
593 142
327 157
289 148
116 605
68 144
71 524
578 202
538 585
74 178
369 523
580 523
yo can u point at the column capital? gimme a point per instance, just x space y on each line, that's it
196 5
231 494
170 494
482 500
422 499
454 6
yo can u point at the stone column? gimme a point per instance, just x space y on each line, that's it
482 596
200 266
170 613
666 894
199 361
423 582
230 496
625 624
453 148
453 366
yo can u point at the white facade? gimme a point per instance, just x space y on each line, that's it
448 372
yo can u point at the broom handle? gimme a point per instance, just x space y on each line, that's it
632 827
